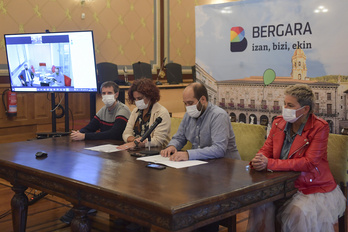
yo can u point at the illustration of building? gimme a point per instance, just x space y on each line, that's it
205 78
299 67
248 100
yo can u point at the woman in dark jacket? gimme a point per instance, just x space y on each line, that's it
298 142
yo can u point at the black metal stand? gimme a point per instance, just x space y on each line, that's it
92 105
66 98
66 115
53 105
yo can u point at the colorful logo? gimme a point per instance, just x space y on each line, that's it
238 41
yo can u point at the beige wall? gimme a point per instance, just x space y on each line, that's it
125 32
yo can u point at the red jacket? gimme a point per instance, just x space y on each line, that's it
308 155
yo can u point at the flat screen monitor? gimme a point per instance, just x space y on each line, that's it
51 62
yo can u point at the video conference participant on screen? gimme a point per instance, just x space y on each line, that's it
111 119
145 95
26 76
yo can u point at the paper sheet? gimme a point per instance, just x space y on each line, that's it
158 159
104 148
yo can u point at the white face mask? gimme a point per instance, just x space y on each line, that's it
108 100
192 110
289 115
141 104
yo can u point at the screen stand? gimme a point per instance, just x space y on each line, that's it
53 105
66 112
92 105
66 115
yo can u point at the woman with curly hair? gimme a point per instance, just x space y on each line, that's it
145 95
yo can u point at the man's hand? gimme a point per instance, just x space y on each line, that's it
259 162
179 156
77 135
168 151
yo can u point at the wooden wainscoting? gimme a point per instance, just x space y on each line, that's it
34 114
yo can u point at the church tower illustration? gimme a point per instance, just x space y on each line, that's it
299 67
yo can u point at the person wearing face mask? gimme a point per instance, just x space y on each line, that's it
298 142
145 95
26 76
206 126
111 119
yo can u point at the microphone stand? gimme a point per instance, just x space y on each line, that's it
149 152
126 76
147 136
161 73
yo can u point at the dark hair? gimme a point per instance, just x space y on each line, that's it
110 84
303 94
199 90
146 87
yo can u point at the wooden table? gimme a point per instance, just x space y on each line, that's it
116 183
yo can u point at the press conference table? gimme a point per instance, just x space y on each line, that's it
118 184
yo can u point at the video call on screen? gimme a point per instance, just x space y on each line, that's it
52 62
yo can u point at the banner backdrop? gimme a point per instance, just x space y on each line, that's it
242 39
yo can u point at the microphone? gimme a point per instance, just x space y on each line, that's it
152 127
164 60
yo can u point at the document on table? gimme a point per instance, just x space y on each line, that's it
104 148
158 159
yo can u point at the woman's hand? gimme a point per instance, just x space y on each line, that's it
259 162
130 145
126 146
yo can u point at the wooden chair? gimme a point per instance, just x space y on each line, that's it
337 155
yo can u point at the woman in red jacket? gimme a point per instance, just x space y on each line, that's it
298 142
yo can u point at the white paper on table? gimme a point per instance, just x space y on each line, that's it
158 159
104 148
